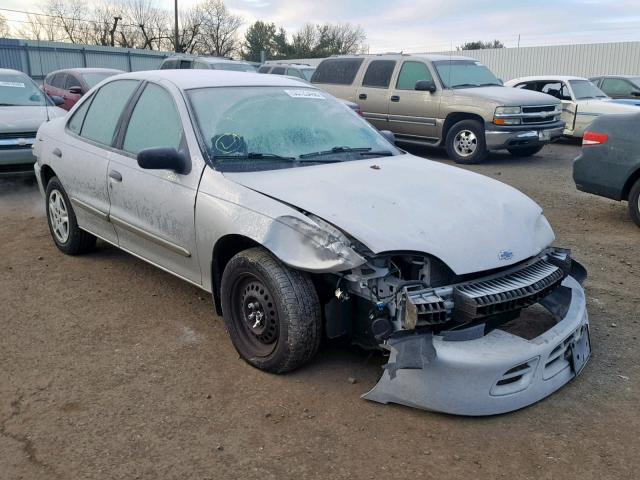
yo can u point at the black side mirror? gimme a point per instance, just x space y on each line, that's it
389 136
425 86
163 159
77 90
635 93
501 81
56 100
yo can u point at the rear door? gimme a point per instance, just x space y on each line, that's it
413 113
83 156
373 93
153 210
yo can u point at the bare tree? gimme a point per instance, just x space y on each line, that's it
4 27
38 27
219 28
71 16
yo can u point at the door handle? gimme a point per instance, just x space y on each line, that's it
56 151
395 98
362 96
115 175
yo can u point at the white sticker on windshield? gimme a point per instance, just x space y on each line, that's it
12 84
305 94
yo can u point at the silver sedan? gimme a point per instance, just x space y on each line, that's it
302 220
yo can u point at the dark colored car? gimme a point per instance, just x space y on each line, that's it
609 165
72 83
619 86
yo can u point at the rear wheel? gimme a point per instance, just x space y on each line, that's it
271 311
634 202
525 151
466 143
66 234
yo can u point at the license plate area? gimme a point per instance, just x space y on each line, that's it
544 135
580 350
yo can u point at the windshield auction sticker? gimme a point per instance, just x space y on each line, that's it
12 84
305 94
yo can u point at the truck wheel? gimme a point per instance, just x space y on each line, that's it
634 202
465 142
525 151
66 234
271 311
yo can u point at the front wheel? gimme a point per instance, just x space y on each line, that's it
66 234
465 142
525 151
634 202
272 312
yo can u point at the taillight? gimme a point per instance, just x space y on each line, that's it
594 138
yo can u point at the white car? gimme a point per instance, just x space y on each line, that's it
302 220
581 100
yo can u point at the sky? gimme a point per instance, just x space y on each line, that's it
429 25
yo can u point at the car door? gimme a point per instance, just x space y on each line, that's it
70 99
618 88
83 155
153 210
413 113
373 92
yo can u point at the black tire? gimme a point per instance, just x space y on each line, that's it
525 151
477 141
76 241
634 202
287 334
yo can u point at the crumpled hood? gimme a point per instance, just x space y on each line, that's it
508 96
406 203
26 119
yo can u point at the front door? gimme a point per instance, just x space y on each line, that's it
153 210
373 94
413 113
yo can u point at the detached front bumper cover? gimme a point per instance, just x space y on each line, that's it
488 374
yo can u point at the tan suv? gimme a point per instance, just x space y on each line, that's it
450 101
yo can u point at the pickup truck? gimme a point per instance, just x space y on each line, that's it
449 101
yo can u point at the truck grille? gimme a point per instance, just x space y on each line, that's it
509 292
16 135
18 140
539 108
539 114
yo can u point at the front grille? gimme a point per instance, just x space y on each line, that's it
17 135
515 379
512 291
539 108
529 121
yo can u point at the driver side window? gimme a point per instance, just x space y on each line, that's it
411 73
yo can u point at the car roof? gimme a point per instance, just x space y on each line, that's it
546 78
196 78
87 70
283 64
394 56
11 71
616 76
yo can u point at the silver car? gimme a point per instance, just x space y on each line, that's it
23 107
302 220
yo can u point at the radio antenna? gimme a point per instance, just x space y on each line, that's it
44 93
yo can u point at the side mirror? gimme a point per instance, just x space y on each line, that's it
425 86
389 136
635 93
77 90
162 159
57 101
501 81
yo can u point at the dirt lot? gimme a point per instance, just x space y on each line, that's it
111 368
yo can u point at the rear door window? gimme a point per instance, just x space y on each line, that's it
411 73
169 64
278 70
337 71
617 86
184 64
379 73
293 72
264 69
105 110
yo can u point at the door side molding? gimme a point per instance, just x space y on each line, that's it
98 213
150 237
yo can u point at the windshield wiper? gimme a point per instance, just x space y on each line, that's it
490 85
253 156
463 85
8 105
365 151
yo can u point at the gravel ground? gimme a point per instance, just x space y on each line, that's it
114 369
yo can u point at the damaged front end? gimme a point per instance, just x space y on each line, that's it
467 345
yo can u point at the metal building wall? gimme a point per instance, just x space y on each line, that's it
39 58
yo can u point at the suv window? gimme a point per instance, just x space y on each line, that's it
105 110
184 64
293 72
278 70
169 64
264 69
379 73
71 81
339 71
411 73
200 65
617 86
154 123
75 124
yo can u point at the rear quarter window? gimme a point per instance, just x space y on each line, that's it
338 71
